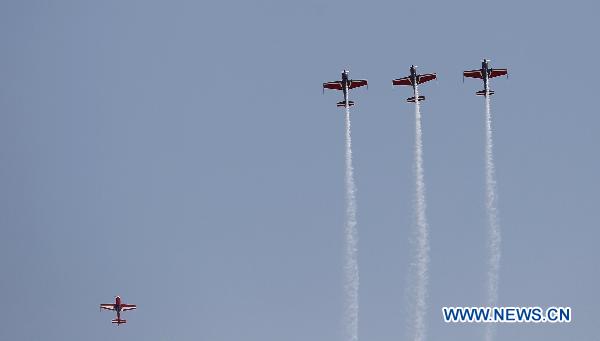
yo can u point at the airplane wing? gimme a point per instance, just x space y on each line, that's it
426 78
473 74
356 83
125 307
402 81
333 85
498 72
107 306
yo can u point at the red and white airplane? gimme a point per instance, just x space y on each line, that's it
345 85
485 73
414 80
118 307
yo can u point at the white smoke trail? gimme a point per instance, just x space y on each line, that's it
492 213
351 261
420 267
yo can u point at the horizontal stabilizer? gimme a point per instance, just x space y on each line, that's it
343 103
119 321
412 99
482 92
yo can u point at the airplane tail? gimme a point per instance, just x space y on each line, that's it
412 99
343 103
119 321
482 92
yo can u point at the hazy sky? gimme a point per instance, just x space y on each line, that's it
181 154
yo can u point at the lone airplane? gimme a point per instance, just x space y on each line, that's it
345 85
414 80
485 73
118 307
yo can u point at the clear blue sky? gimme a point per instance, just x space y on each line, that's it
180 154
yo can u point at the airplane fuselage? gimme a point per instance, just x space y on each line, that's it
485 74
413 79
118 307
345 86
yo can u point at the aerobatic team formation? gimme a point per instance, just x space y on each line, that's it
414 79
345 85
420 264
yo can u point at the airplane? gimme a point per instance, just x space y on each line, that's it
485 73
345 85
118 307
414 80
